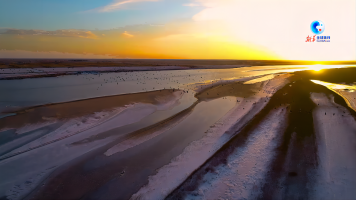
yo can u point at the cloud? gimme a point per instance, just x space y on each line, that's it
118 4
49 54
126 34
191 4
59 33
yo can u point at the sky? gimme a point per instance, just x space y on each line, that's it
177 29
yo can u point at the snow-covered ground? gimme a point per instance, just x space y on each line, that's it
336 135
25 167
243 176
91 124
22 172
195 154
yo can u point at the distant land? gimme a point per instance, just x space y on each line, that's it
53 63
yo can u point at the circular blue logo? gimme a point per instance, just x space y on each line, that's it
317 27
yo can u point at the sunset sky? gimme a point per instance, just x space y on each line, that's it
178 29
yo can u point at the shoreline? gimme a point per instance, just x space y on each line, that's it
46 72
13 69
199 90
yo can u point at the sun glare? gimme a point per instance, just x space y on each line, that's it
317 67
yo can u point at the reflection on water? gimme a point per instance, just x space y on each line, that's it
294 68
345 91
319 67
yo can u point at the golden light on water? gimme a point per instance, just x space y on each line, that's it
319 67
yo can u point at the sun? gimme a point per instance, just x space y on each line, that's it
317 67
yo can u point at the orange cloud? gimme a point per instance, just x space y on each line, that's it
58 33
49 54
126 34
